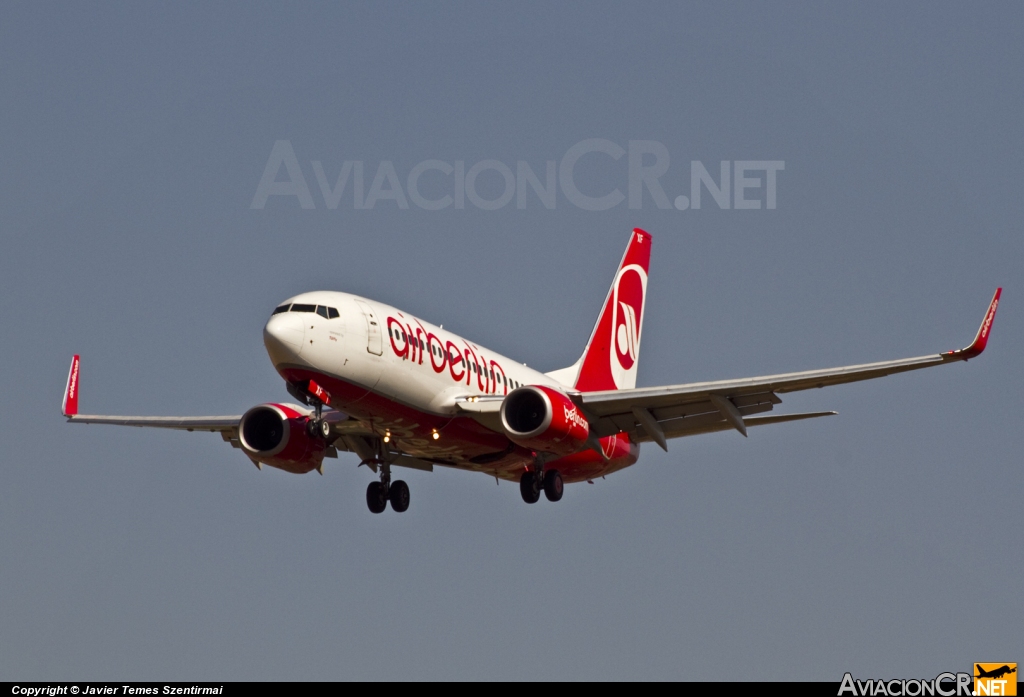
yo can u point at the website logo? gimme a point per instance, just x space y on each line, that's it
995 679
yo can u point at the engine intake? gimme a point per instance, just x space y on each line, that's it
542 418
263 430
275 434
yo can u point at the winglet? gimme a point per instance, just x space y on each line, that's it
981 340
69 407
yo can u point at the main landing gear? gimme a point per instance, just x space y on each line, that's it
532 481
379 493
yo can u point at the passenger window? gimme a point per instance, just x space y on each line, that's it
322 311
278 310
332 313
303 308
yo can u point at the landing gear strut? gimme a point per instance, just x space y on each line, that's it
379 493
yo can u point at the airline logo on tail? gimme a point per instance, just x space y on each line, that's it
627 309
610 360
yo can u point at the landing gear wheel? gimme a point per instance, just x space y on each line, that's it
376 497
529 487
399 496
312 430
324 429
553 486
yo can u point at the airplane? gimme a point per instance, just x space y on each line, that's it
399 391
996 673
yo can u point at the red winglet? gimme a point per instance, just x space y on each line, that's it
69 407
981 340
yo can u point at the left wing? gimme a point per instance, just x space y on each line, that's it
658 413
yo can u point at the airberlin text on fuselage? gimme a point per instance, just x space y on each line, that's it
406 342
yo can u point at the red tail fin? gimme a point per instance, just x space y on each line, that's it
69 407
610 359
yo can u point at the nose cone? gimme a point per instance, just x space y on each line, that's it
283 337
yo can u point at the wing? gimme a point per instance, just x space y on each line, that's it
658 413
347 434
69 409
227 426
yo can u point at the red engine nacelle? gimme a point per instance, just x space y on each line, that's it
542 418
275 434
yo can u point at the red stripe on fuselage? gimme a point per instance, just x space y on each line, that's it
462 437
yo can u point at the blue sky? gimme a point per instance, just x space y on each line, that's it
882 541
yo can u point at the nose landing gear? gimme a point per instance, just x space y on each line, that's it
312 393
318 428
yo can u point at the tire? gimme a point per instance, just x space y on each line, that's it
376 497
311 429
553 486
399 496
325 430
529 487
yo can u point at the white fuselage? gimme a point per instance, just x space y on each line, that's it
391 353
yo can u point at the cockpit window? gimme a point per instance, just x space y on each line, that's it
278 310
322 310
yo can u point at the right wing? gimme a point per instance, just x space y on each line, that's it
69 409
